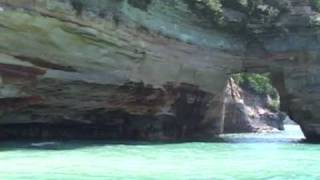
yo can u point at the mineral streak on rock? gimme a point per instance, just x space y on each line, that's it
11 104
20 71
149 69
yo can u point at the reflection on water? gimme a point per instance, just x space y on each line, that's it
244 156
292 133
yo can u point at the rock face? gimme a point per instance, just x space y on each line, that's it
149 69
246 111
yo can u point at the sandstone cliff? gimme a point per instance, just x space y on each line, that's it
149 69
247 111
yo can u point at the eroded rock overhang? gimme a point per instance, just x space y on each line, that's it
146 69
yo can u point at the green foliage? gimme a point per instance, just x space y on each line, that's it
316 4
214 8
78 6
214 5
253 12
257 83
210 9
274 105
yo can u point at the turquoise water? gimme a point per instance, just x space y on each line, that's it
249 156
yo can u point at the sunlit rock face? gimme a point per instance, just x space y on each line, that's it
147 69
247 111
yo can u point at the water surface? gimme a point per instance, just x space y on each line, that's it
274 156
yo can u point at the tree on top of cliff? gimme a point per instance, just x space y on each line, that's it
241 15
257 83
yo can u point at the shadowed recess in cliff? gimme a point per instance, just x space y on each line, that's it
133 111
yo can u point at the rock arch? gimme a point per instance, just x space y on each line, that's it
87 76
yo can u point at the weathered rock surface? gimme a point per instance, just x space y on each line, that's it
246 111
148 69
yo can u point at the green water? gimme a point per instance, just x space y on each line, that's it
268 156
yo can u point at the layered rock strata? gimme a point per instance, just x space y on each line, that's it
148 69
